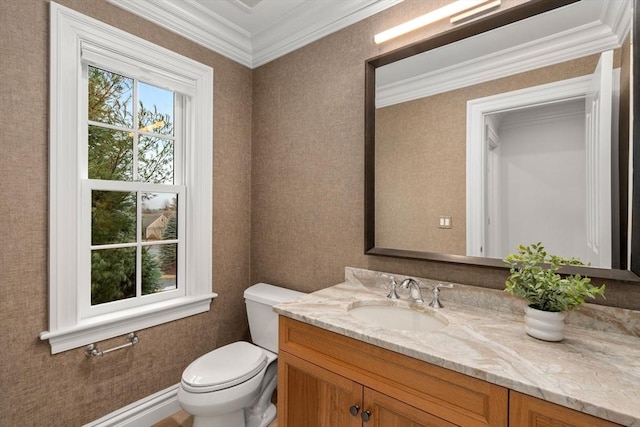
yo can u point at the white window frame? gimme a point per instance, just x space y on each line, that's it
76 38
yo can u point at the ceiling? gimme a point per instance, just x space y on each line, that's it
254 32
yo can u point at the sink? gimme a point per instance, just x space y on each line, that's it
398 317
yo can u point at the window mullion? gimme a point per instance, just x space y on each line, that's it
113 246
179 138
136 132
84 291
160 242
103 184
138 245
110 126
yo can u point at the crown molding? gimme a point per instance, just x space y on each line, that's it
582 41
298 28
196 23
618 16
310 24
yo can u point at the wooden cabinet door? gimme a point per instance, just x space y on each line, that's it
311 396
527 411
389 412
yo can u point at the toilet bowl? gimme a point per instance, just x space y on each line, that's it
232 385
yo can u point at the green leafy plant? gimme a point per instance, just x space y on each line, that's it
534 277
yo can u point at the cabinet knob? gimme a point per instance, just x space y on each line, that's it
354 410
366 416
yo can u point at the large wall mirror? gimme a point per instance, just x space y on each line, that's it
509 130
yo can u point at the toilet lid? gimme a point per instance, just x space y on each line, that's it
224 367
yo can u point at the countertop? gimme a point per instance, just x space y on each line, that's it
595 369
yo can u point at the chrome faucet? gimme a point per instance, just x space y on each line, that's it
435 303
415 294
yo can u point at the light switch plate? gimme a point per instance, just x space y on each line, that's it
445 221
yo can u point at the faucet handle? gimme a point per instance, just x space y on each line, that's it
435 303
392 293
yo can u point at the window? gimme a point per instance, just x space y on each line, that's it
132 206
130 183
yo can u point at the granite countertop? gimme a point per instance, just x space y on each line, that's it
595 369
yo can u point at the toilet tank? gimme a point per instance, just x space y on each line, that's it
263 321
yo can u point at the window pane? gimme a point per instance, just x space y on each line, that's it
110 154
159 216
155 160
162 277
113 217
113 275
110 98
156 109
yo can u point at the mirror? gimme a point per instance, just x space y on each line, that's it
486 136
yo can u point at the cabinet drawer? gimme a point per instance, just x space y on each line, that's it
461 399
527 411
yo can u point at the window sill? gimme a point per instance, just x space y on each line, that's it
114 324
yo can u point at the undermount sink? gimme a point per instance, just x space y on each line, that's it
398 317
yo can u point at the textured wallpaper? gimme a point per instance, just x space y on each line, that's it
68 389
288 205
308 164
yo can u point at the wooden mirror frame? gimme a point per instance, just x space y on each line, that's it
630 273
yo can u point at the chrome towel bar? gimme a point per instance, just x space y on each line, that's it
92 350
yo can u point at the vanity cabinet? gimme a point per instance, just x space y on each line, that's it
327 380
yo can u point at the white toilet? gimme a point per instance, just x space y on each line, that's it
231 386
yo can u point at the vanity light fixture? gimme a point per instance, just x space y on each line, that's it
447 11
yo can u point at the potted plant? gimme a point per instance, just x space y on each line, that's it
533 276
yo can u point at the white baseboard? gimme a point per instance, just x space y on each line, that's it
143 413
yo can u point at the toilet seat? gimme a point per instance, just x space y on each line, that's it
224 367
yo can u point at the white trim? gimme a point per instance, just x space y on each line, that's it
196 23
169 74
143 413
70 31
553 112
302 26
476 110
100 328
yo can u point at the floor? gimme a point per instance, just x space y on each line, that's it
182 419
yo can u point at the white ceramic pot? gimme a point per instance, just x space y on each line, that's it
544 325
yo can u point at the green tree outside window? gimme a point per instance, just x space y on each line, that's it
111 157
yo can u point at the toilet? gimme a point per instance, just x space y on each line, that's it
231 386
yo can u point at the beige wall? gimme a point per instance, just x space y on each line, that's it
288 179
67 389
308 163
